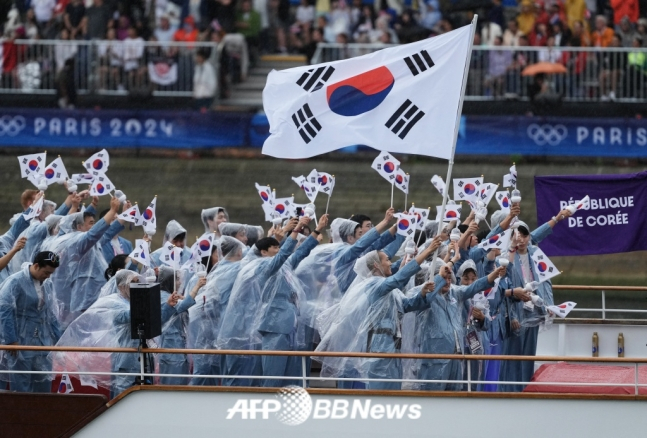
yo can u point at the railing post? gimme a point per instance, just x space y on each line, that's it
604 306
636 378
469 376
303 371
142 358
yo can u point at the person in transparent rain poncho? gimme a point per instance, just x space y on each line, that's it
440 329
522 271
205 317
105 324
254 234
175 323
10 242
369 319
78 281
176 234
328 272
212 218
476 315
280 321
238 231
238 331
28 317
386 239
38 230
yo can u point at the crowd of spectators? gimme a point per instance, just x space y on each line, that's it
297 26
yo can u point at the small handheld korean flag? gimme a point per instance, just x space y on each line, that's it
582 204
490 293
543 266
487 192
35 209
326 183
386 166
467 189
55 172
296 206
510 180
98 163
563 309
204 245
270 213
406 225
148 219
131 215
372 100
503 199
32 163
101 186
194 259
311 186
402 181
498 241
283 206
141 253
170 255
422 215
65 387
452 212
439 184
82 178
266 194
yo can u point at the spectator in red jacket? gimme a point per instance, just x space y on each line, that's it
188 32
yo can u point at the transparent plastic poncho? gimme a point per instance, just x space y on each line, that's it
28 320
105 324
357 324
80 276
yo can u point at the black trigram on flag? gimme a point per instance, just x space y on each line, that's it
419 62
306 123
404 119
312 80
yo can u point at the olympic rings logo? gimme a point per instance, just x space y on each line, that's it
547 134
12 126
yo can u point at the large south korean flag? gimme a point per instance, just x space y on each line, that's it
402 99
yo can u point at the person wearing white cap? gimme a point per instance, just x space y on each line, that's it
522 271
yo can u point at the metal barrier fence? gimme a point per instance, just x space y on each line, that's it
109 67
592 74
304 379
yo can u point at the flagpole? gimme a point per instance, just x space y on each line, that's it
392 185
330 194
456 127
423 230
405 201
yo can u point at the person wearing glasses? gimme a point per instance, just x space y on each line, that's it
28 317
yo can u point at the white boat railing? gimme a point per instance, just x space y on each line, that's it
603 310
304 380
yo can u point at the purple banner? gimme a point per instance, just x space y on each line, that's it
615 221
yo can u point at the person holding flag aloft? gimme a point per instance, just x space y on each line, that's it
442 326
78 282
9 241
523 272
238 331
369 319
282 320
205 318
